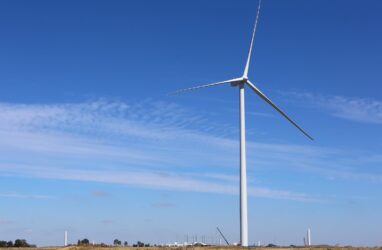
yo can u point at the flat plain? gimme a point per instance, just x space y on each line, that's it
203 248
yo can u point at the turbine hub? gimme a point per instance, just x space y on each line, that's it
238 81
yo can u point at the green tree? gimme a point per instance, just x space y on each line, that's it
85 242
3 243
125 243
10 244
21 243
117 242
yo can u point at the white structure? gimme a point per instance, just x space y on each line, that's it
241 82
66 238
308 237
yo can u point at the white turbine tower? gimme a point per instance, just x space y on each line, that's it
241 82
66 238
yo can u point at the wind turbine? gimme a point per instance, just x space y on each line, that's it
241 82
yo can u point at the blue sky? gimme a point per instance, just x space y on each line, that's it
91 143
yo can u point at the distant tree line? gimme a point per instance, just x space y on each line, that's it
83 242
116 243
271 245
17 243
141 244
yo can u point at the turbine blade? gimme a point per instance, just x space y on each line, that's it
253 38
265 98
203 86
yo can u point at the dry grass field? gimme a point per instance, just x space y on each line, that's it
203 248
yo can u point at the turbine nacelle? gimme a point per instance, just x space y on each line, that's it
238 81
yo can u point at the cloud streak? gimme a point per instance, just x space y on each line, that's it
357 109
156 180
148 144
25 196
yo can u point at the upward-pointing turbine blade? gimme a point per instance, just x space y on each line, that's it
265 98
203 86
253 38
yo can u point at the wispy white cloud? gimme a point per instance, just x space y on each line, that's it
24 196
269 115
148 144
364 110
158 180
